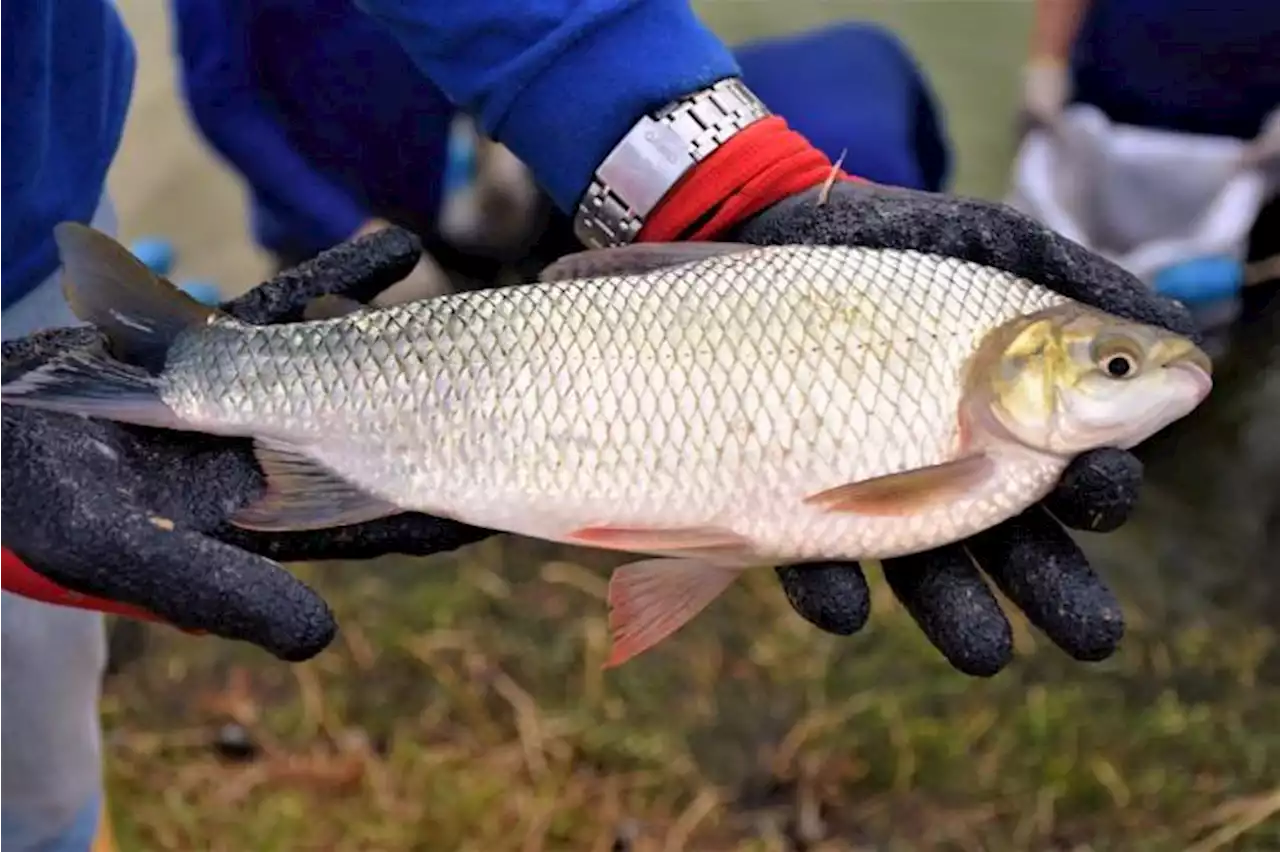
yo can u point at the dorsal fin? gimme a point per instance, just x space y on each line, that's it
635 259
331 306
105 285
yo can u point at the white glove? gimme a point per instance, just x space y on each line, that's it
1046 88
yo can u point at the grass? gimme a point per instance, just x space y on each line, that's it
463 706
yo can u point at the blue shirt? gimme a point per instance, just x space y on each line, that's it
557 81
67 74
320 110
1190 66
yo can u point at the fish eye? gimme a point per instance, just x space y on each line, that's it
1119 366
1118 357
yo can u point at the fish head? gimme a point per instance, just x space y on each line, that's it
1070 379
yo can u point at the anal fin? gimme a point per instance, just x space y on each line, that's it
302 495
909 492
651 599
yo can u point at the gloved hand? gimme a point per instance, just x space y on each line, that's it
138 515
1031 558
425 280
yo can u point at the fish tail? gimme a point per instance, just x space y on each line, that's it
141 315
92 383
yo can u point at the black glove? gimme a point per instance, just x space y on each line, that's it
1030 557
138 515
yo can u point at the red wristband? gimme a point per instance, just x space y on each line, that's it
757 168
20 579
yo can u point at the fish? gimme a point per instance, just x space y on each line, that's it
709 407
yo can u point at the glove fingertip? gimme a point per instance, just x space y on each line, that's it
832 596
1046 575
358 269
196 582
1098 491
944 594
273 609
312 629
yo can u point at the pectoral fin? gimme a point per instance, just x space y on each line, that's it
302 495
635 259
909 492
651 599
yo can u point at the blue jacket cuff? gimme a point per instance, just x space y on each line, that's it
572 113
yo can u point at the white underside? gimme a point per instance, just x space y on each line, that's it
775 523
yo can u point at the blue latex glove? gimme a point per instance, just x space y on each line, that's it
1203 279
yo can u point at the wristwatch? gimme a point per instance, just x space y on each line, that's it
656 152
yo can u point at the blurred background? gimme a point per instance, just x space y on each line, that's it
463 707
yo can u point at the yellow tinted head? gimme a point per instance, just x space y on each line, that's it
1070 379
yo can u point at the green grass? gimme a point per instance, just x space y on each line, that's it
463 706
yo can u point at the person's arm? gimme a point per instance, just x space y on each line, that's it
1046 82
558 82
1054 29
223 104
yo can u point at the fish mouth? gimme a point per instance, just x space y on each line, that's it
1198 371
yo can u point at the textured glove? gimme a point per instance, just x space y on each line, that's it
1031 558
138 515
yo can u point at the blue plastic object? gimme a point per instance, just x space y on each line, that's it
155 252
1205 279
202 291
460 166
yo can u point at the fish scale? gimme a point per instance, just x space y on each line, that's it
721 392
724 405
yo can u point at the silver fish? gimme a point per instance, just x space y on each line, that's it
716 406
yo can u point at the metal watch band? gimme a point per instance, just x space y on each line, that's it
655 154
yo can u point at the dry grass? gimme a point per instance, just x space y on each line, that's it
464 708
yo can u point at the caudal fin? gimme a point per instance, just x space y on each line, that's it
141 315
140 312
93 384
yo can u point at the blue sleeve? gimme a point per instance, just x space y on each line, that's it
559 82
68 70
221 97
